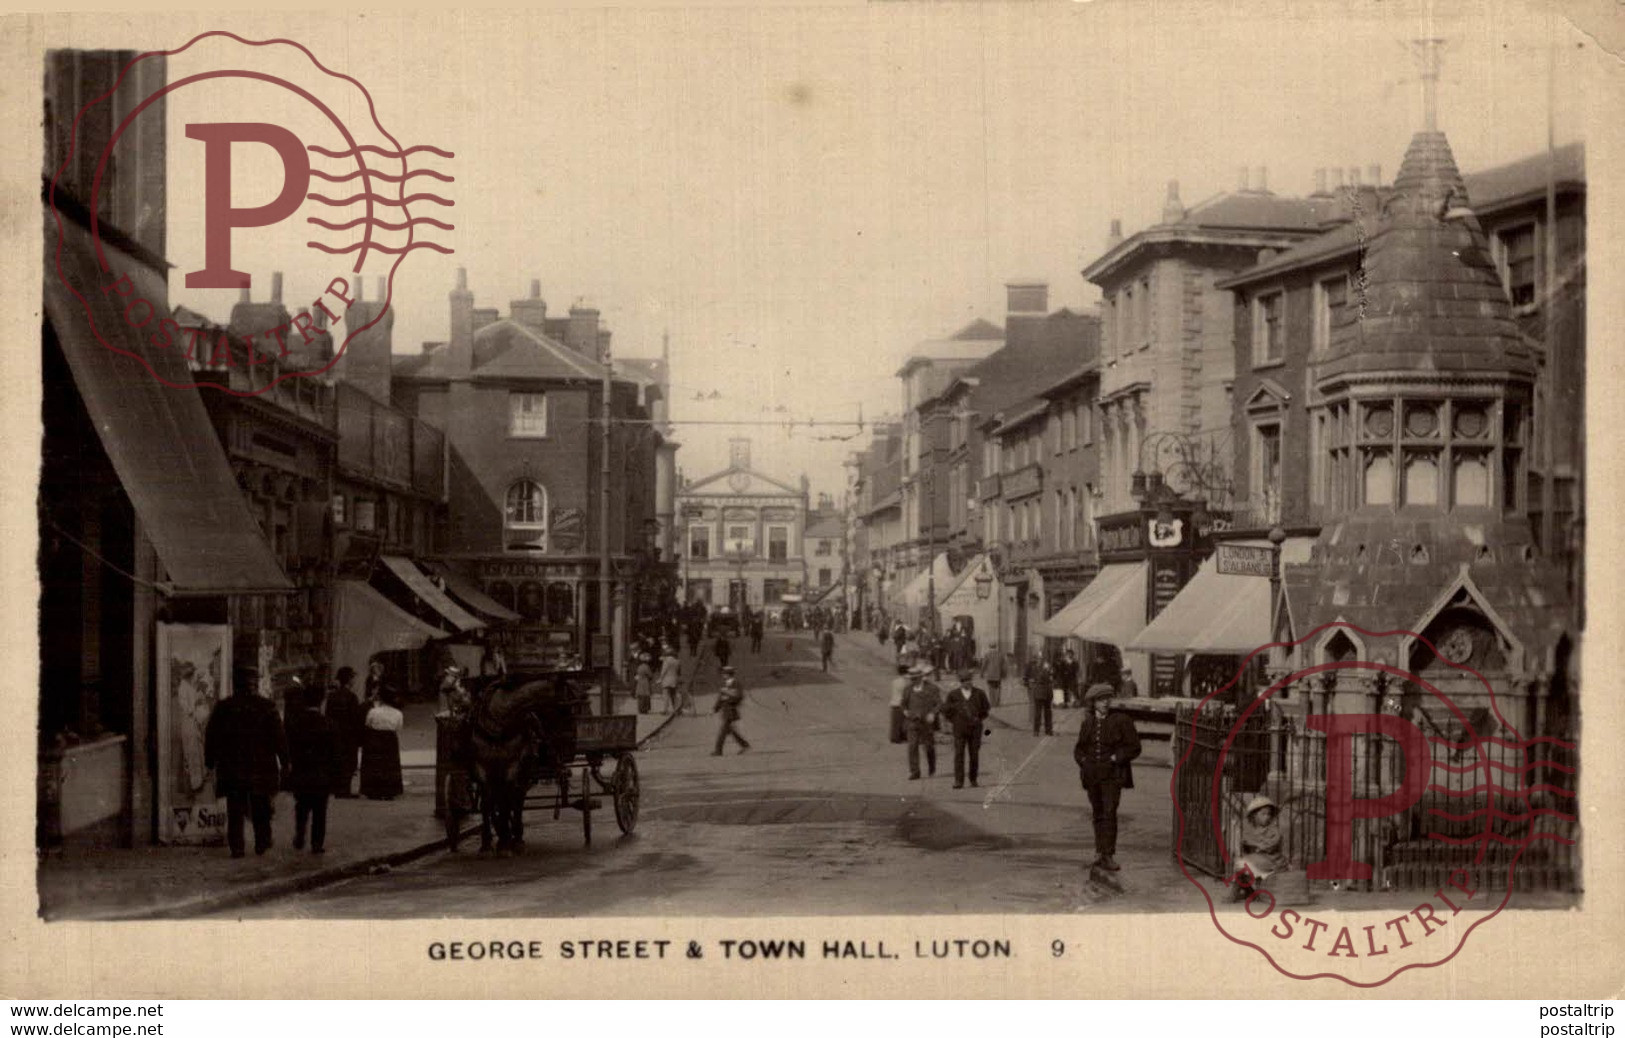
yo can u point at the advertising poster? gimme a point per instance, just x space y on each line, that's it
194 668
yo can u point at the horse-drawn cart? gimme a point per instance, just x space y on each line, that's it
531 745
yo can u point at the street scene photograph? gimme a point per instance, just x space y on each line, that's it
908 460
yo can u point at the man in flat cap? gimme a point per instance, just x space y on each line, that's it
920 709
1107 742
966 709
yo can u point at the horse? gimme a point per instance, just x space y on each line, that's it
521 730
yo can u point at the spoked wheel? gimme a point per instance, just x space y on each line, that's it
624 788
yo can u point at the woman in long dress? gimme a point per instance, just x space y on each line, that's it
381 750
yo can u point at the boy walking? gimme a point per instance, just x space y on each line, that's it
728 700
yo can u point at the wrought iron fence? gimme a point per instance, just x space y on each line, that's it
1488 801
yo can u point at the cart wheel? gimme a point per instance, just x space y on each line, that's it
624 786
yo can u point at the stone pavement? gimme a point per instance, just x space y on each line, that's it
363 836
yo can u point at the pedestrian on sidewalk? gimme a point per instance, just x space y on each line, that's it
381 750
348 717
313 758
1107 742
899 693
826 648
728 701
1040 689
643 684
1129 688
757 627
248 750
1066 677
966 709
670 676
920 709
993 674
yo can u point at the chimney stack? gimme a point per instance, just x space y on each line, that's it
320 319
1241 180
581 334
1172 210
531 312
245 296
360 290
1116 234
1026 298
1262 175
460 348
383 290
276 287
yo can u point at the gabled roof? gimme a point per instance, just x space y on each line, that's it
715 476
505 349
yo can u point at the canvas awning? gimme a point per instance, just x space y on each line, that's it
1215 613
151 421
1220 613
1111 609
469 594
366 623
419 584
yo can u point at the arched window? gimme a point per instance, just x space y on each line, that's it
525 517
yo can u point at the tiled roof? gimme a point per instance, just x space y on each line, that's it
1030 358
505 349
1432 300
1258 210
979 329
1526 176
1382 572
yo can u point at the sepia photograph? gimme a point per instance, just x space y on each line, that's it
959 463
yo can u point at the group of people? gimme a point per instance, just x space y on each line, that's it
660 667
1107 740
312 750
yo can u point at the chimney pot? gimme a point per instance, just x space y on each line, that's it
1172 210
1242 183
245 296
1262 175
462 279
536 288
321 319
1374 174
361 290
383 289
276 286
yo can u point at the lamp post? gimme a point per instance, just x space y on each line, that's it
1277 538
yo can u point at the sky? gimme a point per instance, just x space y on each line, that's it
798 196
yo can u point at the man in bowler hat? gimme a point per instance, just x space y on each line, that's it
246 747
966 709
1107 742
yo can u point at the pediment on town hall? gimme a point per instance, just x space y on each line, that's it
735 482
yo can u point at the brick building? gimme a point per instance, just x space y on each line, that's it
519 402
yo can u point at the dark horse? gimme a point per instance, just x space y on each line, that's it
521 730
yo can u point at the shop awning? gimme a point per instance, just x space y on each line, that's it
366 623
1110 610
469 594
1215 613
419 584
158 437
1219 613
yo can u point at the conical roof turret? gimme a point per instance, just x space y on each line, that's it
1429 298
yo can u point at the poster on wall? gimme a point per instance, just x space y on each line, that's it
194 672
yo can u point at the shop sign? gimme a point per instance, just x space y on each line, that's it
1245 560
